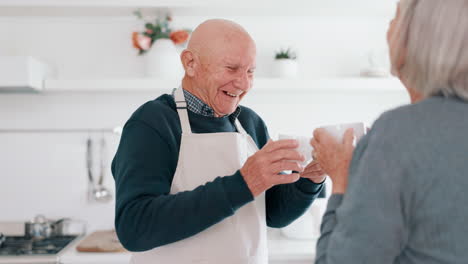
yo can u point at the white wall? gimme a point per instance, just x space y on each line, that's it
100 48
45 173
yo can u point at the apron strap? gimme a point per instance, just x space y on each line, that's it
239 127
181 105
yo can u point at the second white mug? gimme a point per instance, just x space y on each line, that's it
338 130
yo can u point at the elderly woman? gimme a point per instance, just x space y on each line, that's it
401 195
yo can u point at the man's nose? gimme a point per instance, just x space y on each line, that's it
243 81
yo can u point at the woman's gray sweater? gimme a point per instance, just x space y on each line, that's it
407 198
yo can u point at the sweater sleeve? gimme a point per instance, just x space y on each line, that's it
287 202
367 223
147 216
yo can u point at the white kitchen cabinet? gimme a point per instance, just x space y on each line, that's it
22 74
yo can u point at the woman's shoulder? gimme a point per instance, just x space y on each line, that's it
410 130
426 114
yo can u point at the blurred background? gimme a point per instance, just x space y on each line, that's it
70 74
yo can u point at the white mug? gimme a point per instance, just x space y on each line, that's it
304 146
338 130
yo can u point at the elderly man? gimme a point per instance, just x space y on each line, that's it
192 185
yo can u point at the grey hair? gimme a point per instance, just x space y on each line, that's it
432 38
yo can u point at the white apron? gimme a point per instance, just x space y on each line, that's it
238 239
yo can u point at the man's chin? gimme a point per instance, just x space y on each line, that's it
232 110
226 111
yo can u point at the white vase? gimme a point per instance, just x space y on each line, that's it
163 61
285 68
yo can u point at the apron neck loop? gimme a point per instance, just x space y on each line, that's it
181 105
239 127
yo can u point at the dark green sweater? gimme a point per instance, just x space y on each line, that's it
147 216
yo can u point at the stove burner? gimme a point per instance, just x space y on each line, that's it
19 245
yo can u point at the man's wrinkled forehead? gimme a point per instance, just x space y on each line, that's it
230 54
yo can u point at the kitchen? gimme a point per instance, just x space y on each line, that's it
91 80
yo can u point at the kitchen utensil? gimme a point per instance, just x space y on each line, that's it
39 227
99 192
102 194
89 160
101 241
102 159
67 227
2 239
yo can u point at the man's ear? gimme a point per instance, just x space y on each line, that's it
188 61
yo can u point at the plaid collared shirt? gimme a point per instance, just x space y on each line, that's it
197 106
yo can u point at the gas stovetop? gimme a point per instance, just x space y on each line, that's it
24 246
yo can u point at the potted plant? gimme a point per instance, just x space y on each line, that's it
158 42
285 65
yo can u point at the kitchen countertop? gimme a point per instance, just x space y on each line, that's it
280 249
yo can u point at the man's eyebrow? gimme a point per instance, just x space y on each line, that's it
230 62
237 65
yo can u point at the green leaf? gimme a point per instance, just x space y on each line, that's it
138 14
285 54
157 29
149 26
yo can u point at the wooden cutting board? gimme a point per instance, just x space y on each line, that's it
101 241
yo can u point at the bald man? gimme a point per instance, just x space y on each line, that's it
197 178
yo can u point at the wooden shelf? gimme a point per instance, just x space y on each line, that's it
110 85
355 84
260 85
